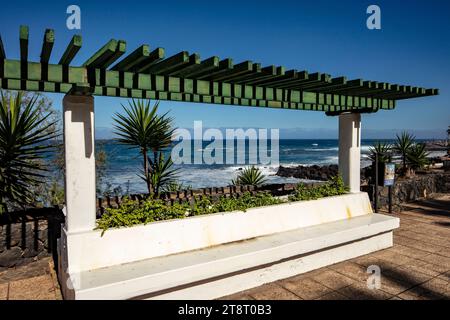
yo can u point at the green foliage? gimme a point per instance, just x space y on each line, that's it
335 186
160 173
250 176
141 127
132 212
417 157
25 133
175 186
383 149
402 146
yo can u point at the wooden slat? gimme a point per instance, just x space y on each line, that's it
120 50
133 59
23 36
224 66
2 50
269 72
169 64
238 69
105 55
311 79
278 81
334 83
194 62
154 57
206 65
47 45
72 49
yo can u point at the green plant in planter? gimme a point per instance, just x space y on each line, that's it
417 156
250 176
335 186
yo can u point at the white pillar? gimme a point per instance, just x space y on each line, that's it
80 191
350 150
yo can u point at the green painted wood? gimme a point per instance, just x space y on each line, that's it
169 64
197 69
2 50
242 68
47 45
106 55
72 49
224 66
133 59
192 64
23 36
154 57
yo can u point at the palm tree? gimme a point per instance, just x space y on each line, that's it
250 176
24 141
143 128
417 156
383 149
403 145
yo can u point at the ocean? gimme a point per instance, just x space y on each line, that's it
124 165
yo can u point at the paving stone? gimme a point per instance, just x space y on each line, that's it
361 292
408 251
394 286
393 257
4 291
438 260
272 292
333 296
307 289
351 270
333 279
36 288
237 296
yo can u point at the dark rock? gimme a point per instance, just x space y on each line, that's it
314 172
9 258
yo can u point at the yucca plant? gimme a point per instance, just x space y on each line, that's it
402 146
417 156
383 149
160 174
24 141
141 127
250 176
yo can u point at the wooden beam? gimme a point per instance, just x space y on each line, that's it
204 66
239 69
133 59
47 45
154 57
106 55
289 75
169 64
224 66
72 49
23 36
2 50
194 62
269 72
334 83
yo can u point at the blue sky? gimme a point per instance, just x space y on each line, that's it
413 47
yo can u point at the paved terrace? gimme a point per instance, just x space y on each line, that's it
416 267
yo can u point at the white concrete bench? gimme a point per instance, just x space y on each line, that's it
220 270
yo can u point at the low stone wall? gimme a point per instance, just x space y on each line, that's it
411 189
29 235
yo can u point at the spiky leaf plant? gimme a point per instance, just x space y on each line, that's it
250 176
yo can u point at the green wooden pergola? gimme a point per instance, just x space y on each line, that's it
147 73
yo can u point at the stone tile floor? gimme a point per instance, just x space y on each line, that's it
34 281
417 267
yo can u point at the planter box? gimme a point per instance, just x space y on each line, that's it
210 256
90 250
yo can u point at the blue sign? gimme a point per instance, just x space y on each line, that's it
389 174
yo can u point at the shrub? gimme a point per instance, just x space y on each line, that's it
250 176
335 186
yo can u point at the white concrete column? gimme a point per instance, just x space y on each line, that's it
80 191
350 150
